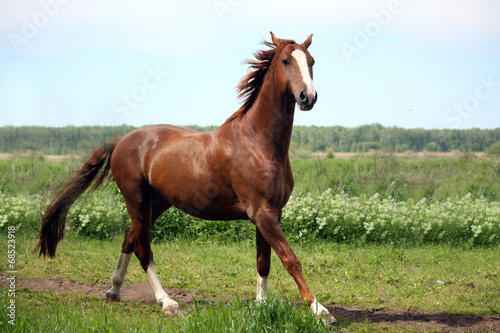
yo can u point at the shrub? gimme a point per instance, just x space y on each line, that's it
21 211
377 220
494 149
432 146
336 217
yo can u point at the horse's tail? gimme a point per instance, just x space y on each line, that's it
54 219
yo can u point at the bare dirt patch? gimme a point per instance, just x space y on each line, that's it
421 321
143 293
136 292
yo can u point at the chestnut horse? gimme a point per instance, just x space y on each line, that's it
240 170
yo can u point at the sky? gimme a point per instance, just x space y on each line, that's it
406 63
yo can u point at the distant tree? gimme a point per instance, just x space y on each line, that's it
319 145
79 140
494 149
432 146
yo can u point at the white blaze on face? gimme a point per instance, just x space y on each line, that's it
301 59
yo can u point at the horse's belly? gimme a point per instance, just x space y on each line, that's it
210 201
212 209
212 213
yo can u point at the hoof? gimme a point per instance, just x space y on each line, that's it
326 318
261 301
171 309
111 297
322 313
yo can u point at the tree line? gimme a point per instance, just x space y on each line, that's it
76 140
375 136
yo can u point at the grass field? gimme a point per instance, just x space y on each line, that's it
418 252
430 279
402 177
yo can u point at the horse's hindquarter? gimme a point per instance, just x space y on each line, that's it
187 168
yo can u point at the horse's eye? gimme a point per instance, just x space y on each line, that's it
285 62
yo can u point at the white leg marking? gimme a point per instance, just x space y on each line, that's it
301 59
169 306
261 288
119 276
322 313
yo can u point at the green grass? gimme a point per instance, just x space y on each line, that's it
402 178
438 278
435 178
35 175
369 276
45 311
429 278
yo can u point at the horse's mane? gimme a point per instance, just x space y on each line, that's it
249 86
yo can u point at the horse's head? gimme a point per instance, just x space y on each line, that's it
294 73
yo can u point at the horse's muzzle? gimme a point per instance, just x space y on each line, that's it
306 101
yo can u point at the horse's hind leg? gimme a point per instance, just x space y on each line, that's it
114 294
169 306
118 277
138 241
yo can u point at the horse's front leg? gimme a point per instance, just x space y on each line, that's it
267 222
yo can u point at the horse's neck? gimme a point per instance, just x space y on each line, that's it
269 121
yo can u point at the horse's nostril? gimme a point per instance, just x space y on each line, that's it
315 97
303 97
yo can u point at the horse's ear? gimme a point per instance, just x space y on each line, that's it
308 41
276 41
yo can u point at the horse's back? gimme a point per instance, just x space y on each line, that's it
153 136
156 132
137 150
